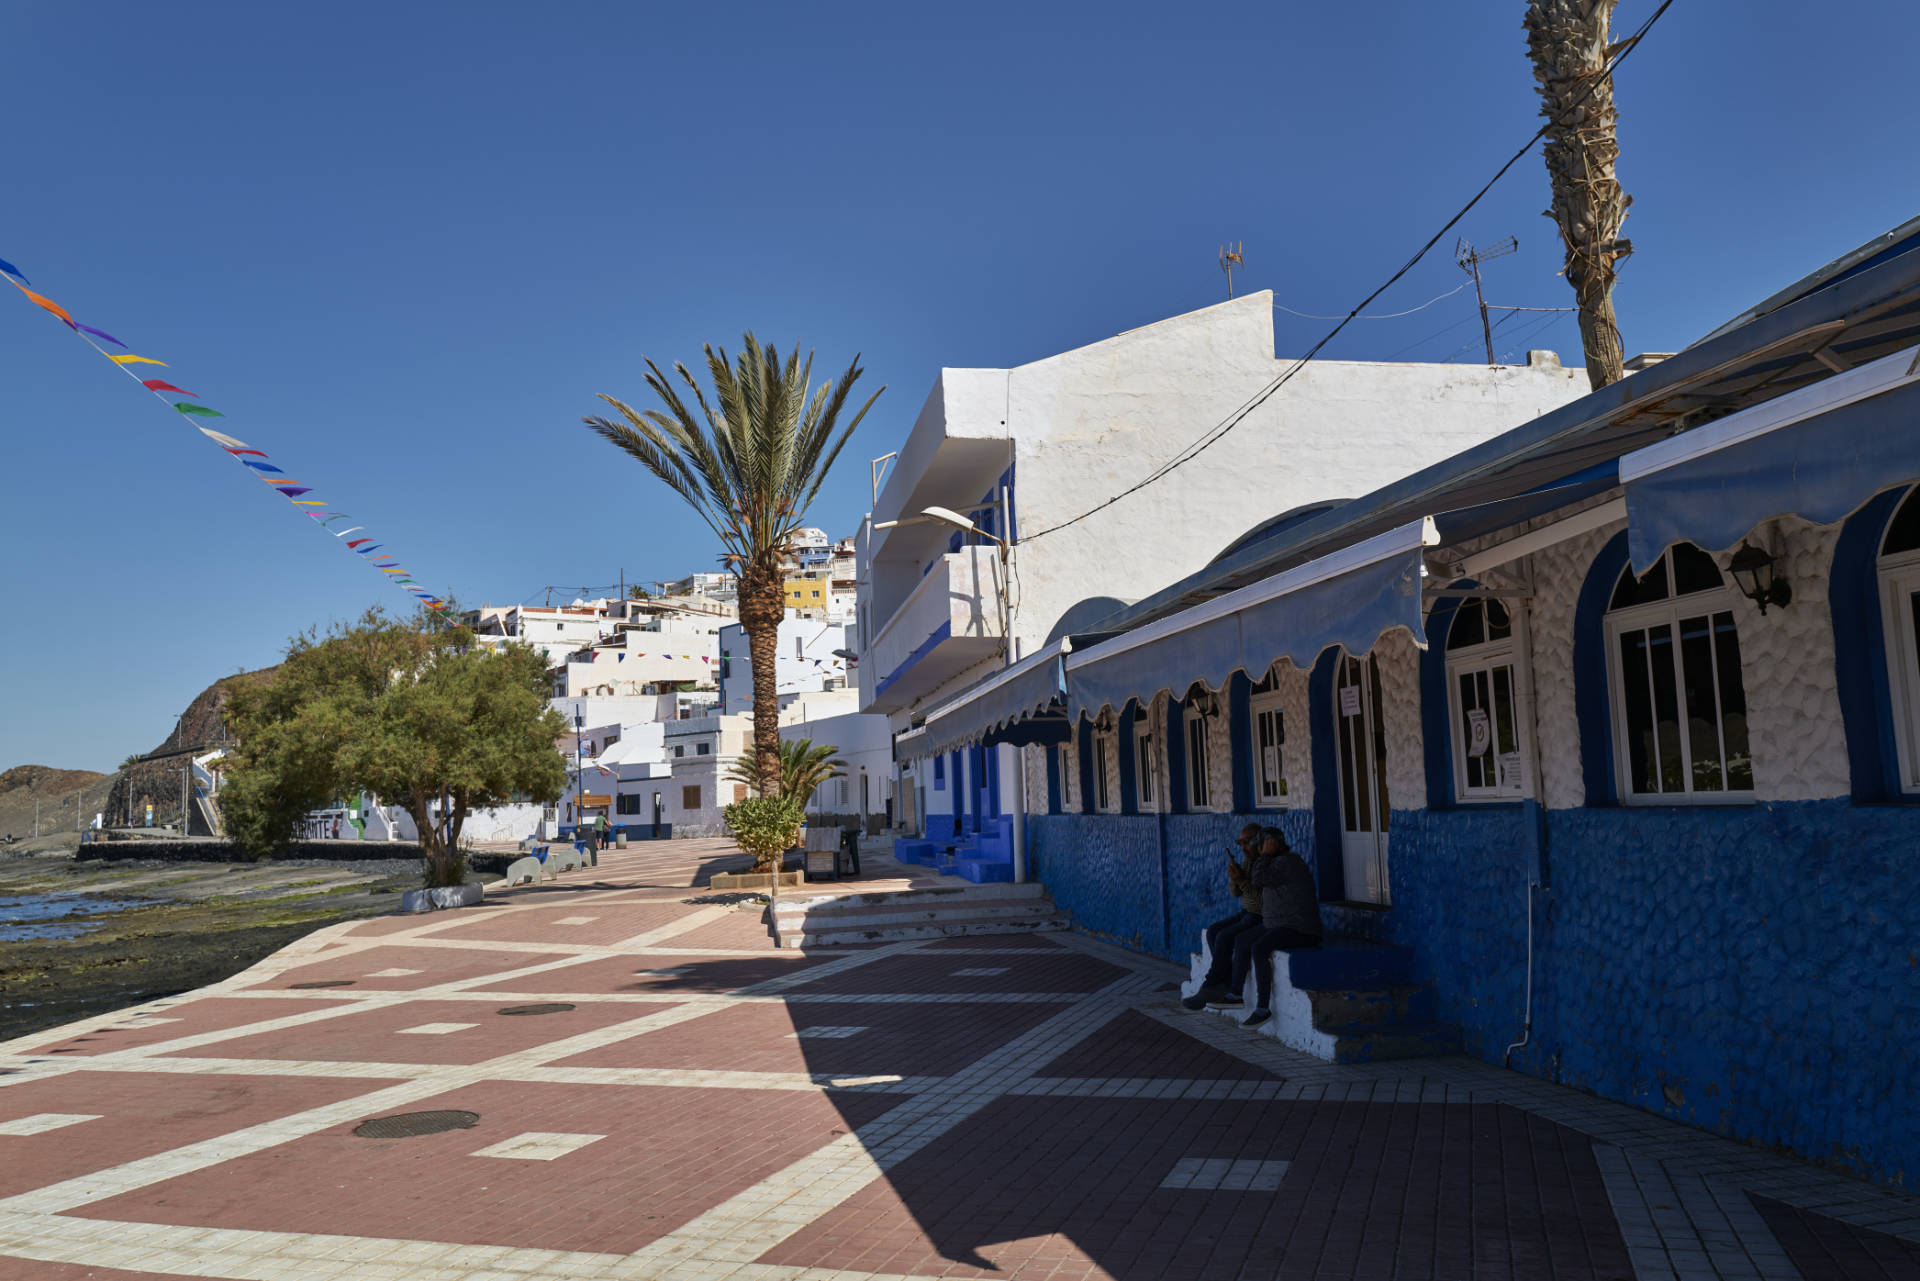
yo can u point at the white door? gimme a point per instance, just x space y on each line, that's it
1363 779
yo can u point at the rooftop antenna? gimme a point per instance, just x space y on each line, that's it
1470 259
1231 256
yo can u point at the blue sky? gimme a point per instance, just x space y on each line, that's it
402 246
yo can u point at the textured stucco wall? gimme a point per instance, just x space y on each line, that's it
1399 662
1787 658
1558 573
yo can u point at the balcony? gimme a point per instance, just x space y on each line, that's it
948 623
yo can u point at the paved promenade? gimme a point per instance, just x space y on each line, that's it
616 1083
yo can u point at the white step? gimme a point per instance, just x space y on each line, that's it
956 927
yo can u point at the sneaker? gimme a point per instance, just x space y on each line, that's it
1225 1003
1256 1018
1207 992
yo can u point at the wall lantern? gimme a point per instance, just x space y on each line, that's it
1753 572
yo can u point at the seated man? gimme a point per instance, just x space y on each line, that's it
1221 933
1289 918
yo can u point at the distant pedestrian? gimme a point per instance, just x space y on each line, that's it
600 831
1289 920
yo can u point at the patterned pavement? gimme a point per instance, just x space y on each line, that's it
1034 1108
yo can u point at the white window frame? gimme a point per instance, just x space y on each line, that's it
1511 652
1144 770
1103 747
1899 576
1263 707
1199 780
1645 617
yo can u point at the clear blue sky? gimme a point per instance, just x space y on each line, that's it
401 246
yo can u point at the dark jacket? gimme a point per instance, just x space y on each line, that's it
1288 897
1250 888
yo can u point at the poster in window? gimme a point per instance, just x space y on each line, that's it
1270 763
1479 732
1350 700
1507 769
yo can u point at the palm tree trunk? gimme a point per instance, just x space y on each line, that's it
1568 43
762 605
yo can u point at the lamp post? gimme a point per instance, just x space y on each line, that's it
579 729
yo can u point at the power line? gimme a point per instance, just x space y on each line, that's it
1391 315
1239 415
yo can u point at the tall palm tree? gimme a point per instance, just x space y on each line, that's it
749 463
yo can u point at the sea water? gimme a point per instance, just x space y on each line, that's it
51 916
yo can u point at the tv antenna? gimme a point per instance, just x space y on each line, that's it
1231 256
1470 259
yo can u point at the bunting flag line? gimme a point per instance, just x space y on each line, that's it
254 460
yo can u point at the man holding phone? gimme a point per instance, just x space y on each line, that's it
1221 934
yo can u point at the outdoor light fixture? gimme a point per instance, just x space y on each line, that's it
847 654
1753 572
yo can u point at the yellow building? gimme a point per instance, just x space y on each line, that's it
807 593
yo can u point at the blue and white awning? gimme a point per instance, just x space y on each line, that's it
1035 685
1348 598
1818 453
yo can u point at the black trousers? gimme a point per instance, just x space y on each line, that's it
1220 938
1253 949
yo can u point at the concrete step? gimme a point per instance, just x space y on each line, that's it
881 916
935 898
1342 1007
1373 1042
945 927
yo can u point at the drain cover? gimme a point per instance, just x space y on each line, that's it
407 1125
327 983
545 1007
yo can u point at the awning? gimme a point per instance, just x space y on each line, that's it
1818 453
1348 597
1035 684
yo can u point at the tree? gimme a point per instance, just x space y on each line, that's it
750 464
803 767
409 714
1567 40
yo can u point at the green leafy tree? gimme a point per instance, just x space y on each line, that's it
411 713
765 827
803 767
750 462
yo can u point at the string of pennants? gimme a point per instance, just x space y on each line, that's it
256 461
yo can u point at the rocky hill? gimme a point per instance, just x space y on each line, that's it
60 793
158 778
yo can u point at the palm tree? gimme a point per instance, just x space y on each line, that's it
750 464
803 767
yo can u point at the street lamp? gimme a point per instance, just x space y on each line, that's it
579 787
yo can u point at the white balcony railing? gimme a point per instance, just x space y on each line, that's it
948 622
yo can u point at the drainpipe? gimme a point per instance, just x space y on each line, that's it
1526 1028
1536 817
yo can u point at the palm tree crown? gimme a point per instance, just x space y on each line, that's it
803 767
750 463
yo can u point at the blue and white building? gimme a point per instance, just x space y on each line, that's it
1609 725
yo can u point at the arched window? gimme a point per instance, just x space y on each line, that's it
1483 683
1899 572
1679 703
1269 729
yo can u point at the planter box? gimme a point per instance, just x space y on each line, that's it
727 881
433 900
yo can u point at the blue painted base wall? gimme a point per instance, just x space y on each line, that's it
1752 970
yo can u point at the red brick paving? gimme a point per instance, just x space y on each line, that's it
530 924
993 941
1825 1249
1389 1190
907 973
1134 1045
669 1154
903 1040
141 1115
436 966
631 974
374 1036
191 1018
736 929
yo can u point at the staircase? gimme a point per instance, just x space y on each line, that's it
822 920
1347 1001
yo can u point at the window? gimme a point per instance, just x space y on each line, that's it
690 797
1483 690
1102 755
1269 736
1199 797
626 805
1900 605
841 792
939 773
679 749
703 749
1143 766
1679 703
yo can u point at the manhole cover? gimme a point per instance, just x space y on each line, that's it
545 1007
407 1125
327 983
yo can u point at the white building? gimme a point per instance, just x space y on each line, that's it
810 657
864 741
940 609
